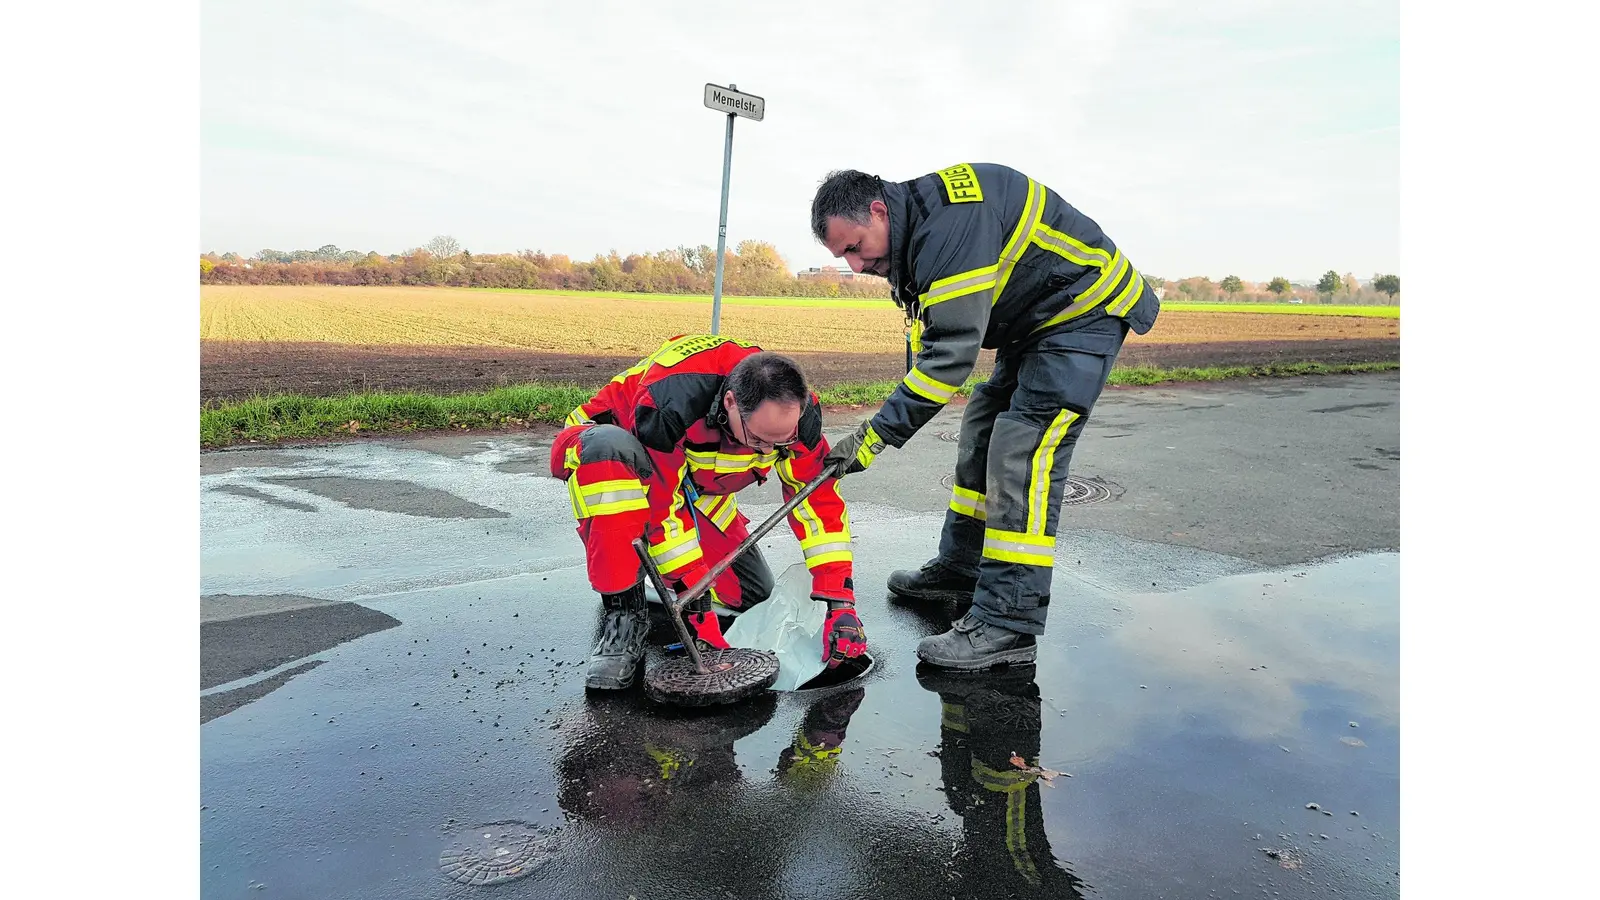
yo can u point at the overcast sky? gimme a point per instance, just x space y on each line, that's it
1251 137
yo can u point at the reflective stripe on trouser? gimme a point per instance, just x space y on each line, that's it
601 465
604 468
1005 505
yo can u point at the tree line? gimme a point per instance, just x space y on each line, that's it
751 269
1331 288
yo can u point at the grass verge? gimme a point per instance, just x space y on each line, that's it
1289 309
290 416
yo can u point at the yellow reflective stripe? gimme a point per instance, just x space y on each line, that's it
701 459
916 336
931 388
826 548
669 759
953 716
1017 547
579 416
1044 460
671 527
576 496
636 369
609 497
1109 278
969 503
810 522
866 454
1000 781
616 484
1054 241
823 559
726 463
1017 837
1032 212
831 537
1073 249
965 283
1132 293
720 509
616 506
672 555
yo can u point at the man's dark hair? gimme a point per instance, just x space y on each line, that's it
846 194
764 376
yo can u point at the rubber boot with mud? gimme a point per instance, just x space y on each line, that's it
615 662
974 644
934 582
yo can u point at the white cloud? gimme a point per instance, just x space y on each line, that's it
1260 138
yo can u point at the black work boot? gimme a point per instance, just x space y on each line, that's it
616 658
971 644
935 582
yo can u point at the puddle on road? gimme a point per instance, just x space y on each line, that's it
388 495
242 490
1161 746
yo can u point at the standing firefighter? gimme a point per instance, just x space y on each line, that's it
660 452
981 255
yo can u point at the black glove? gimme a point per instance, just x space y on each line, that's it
854 453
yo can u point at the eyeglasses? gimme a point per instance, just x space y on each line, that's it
758 443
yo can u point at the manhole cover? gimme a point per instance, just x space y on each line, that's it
496 853
949 437
1078 491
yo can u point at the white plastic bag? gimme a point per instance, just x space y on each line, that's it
789 623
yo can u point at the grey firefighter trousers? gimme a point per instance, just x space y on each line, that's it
1017 437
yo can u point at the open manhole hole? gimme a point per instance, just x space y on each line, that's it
1077 492
496 853
848 671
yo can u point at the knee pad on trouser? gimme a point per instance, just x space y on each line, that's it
604 468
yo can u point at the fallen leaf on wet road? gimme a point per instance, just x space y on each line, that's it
1047 774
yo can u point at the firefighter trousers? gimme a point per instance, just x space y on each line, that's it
1017 437
606 469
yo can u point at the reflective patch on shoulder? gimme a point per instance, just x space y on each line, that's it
961 184
677 350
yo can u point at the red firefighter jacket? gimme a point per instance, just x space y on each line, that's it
672 402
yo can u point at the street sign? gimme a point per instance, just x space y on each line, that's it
728 100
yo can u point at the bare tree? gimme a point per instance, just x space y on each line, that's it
443 246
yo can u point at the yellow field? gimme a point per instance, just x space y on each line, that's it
578 323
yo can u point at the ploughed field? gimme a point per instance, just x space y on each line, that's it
326 341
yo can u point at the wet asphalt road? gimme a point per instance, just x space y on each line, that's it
393 635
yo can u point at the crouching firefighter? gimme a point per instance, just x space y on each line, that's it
660 452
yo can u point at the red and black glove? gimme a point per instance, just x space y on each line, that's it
702 621
843 635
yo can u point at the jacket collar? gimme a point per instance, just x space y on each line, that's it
903 220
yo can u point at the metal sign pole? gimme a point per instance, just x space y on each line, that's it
722 221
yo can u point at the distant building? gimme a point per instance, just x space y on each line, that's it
835 273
